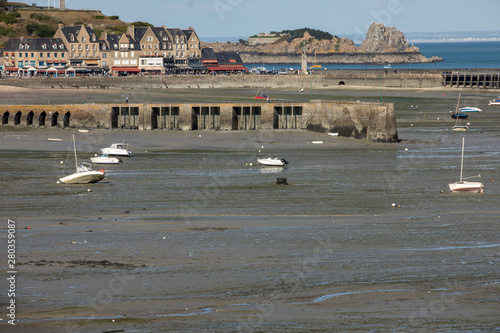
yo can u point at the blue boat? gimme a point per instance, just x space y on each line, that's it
460 115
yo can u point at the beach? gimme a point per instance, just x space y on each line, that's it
191 235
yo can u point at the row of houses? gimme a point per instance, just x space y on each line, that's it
78 50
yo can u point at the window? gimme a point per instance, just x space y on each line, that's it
116 54
32 55
55 54
72 48
48 55
104 64
83 39
41 63
21 46
26 55
104 55
116 62
131 54
20 55
27 46
20 64
131 46
62 54
61 46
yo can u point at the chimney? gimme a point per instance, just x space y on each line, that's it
131 31
104 35
91 26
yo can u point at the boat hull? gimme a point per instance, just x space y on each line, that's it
475 187
85 177
116 152
272 161
106 160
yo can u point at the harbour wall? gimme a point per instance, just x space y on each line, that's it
361 120
319 79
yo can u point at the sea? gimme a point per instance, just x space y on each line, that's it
456 55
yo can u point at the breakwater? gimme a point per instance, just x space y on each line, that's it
362 120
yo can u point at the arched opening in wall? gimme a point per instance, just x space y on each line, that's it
41 118
341 83
67 115
53 120
17 118
29 119
5 118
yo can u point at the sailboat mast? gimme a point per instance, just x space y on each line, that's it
462 163
74 148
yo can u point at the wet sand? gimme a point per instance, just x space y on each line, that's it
419 267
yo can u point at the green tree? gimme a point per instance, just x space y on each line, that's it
39 30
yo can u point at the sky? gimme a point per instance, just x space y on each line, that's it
243 18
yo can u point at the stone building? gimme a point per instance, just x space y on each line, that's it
36 56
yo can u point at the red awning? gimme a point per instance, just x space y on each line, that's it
227 68
126 69
11 69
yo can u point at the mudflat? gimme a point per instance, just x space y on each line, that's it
191 235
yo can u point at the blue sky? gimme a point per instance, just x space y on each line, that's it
242 18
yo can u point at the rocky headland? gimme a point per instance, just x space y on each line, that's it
382 45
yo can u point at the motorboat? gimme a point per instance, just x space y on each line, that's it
495 101
269 161
463 185
470 109
117 149
460 128
84 173
459 115
105 159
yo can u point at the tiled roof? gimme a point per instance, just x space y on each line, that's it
35 44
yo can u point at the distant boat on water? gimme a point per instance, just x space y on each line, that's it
463 185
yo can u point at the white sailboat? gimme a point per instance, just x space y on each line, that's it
463 185
84 173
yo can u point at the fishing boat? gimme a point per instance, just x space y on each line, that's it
463 185
84 173
495 101
459 127
105 159
117 149
269 161
470 109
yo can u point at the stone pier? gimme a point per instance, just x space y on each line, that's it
362 120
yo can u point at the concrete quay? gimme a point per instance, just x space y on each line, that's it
361 120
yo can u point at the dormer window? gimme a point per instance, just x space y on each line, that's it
61 46
72 38
21 46
83 39
27 46
54 46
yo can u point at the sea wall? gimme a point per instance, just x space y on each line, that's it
320 80
361 120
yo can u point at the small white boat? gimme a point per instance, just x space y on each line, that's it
470 109
269 161
460 128
117 149
495 101
83 130
463 185
317 142
55 139
105 159
84 173
333 134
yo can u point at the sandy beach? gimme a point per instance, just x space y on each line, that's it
186 236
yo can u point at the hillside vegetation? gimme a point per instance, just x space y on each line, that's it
34 22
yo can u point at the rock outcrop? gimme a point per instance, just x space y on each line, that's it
381 45
381 39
